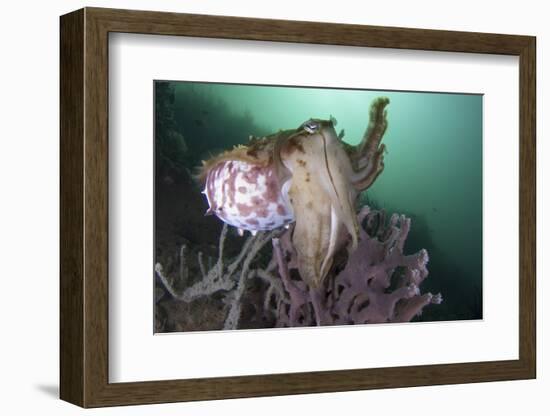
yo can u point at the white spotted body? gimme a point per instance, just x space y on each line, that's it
247 196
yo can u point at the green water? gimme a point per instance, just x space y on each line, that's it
433 168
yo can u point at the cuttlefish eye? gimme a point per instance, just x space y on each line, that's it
311 126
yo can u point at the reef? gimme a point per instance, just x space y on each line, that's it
312 257
373 283
228 278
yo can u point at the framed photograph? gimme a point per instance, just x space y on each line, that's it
254 207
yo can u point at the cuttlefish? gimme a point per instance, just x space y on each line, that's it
308 176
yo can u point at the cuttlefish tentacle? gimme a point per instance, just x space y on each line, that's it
368 156
364 178
312 233
333 243
338 171
321 198
375 130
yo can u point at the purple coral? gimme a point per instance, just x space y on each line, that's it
376 283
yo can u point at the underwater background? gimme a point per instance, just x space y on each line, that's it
432 174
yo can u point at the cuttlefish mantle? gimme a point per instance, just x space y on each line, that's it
308 176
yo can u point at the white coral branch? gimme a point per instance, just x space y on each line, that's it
232 320
220 277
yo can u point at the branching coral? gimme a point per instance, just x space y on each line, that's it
230 278
374 283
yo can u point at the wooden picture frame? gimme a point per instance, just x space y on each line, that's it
84 207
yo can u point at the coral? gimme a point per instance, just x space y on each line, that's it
230 279
374 283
